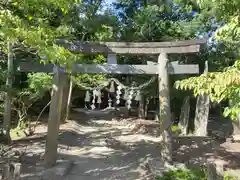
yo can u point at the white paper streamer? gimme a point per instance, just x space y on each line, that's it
125 97
99 99
138 96
87 96
118 94
112 88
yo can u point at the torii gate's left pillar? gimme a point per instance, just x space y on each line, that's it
54 118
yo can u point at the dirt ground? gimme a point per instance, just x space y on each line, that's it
100 149
106 149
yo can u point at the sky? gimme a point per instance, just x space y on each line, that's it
106 5
110 1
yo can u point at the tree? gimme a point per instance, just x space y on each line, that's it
24 98
221 83
102 27
33 26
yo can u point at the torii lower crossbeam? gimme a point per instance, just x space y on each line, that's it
173 68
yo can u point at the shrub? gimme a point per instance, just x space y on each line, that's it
183 174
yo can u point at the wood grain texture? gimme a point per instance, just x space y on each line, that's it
54 120
164 109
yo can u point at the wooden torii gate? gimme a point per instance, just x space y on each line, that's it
162 69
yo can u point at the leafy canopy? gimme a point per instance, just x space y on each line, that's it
32 24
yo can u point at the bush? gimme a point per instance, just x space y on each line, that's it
188 174
185 174
227 177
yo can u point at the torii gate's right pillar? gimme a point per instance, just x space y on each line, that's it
164 108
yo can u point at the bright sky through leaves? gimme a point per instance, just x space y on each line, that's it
110 1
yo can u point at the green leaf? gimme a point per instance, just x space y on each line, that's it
30 18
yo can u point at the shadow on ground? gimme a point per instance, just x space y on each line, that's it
193 150
83 141
94 159
196 151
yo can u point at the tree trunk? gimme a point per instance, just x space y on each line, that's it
236 126
156 118
54 119
236 122
184 116
8 96
66 88
202 112
165 112
69 100
141 108
146 107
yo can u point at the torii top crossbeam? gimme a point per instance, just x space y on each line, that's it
141 48
188 46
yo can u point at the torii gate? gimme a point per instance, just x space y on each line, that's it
162 69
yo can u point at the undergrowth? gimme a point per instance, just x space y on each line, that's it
183 174
188 174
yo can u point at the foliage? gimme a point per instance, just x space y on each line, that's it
156 21
38 85
30 24
183 174
33 27
188 174
175 129
39 82
227 177
102 27
221 85
88 80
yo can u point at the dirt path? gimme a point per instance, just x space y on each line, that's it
101 150
108 150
